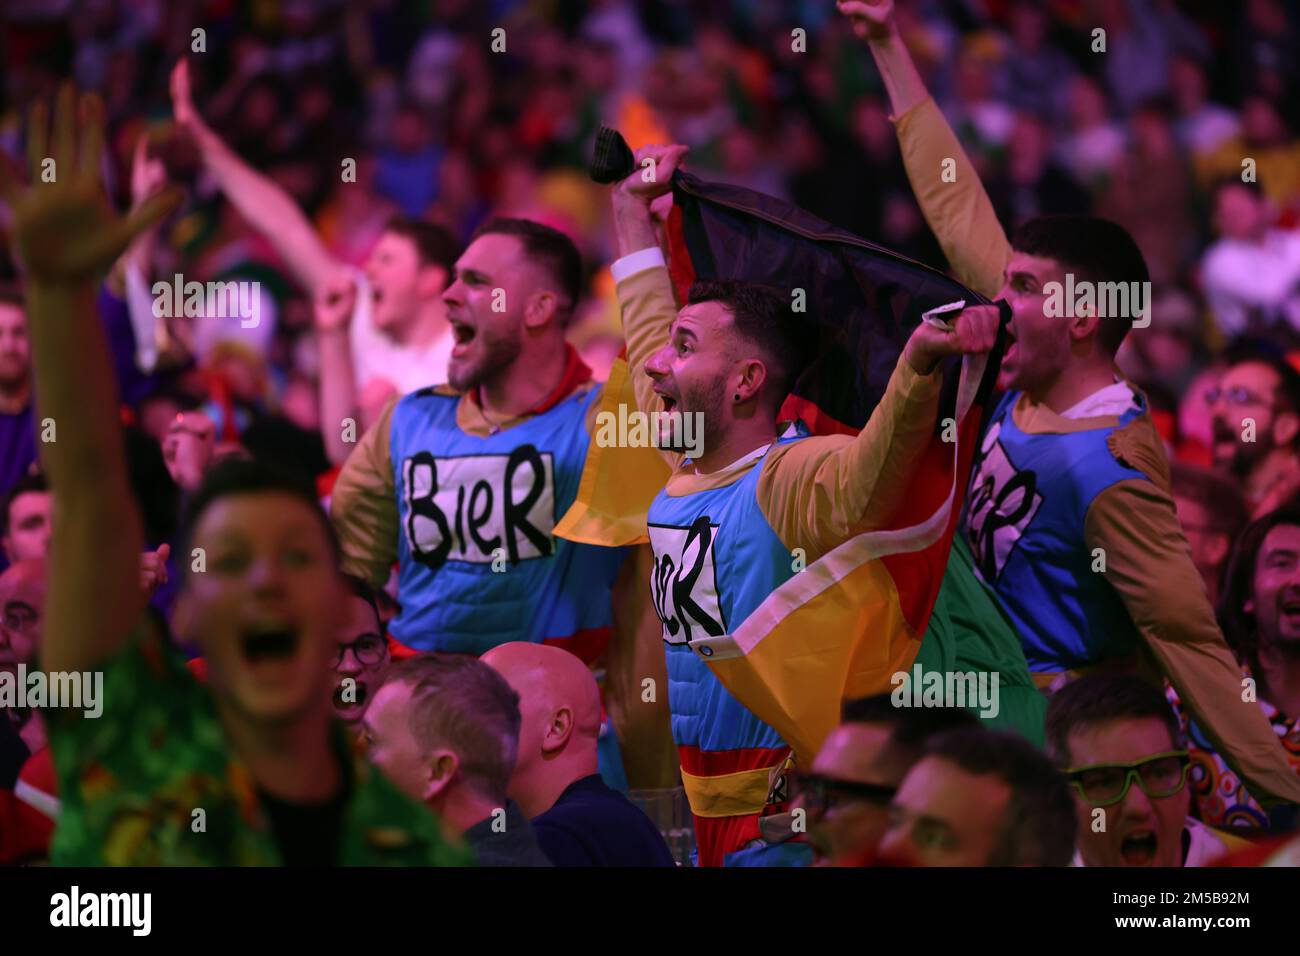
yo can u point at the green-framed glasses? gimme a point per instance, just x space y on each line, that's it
1105 784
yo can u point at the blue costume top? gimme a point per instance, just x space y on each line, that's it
479 563
1028 500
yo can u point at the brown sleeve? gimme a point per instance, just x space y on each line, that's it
363 506
1148 563
959 212
818 492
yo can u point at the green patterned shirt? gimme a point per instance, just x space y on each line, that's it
133 780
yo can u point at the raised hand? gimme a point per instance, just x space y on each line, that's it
183 111
64 228
645 185
148 174
332 309
872 19
153 569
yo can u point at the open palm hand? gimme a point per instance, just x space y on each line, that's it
64 228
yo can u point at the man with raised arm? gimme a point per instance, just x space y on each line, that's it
386 323
1069 514
255 756
724 527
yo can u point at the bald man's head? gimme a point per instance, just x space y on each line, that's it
559 704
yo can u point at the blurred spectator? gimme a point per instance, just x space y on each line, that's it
847 792
1148 193
1270 147
17 424
578 819
1256 426
26 811
1211 512
1119 742
1169 352
445 729
1032 184
980 798
1260 614
1094 145
1203 126
22 608
1252 273
363 656
26 521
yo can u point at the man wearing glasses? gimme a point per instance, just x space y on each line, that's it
1255 415
846 794
1120 745
363 657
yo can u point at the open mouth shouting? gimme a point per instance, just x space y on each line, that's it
269 644
669 400
350 698
1139 847
463 334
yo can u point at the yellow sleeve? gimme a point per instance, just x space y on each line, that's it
959 212
818 492
648 306
1149 565
363 506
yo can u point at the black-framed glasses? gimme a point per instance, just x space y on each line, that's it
818 793
1106 784
369 649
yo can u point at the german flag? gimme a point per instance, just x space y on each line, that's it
848 622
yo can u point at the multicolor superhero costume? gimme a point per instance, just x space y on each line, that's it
1121 506
459 501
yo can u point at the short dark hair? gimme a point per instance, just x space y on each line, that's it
1239 628
1220 496
32 483
765 317
1097 250
11 294
359 588
1099 698
546 247
433 244
1251 350
463 704
248 476
909 727
1040 822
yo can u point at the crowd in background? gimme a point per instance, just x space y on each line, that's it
1155 133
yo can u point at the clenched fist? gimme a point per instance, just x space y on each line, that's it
974 330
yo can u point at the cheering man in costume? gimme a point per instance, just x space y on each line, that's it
1069 517
725 526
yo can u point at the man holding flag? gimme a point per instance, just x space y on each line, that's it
754 507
